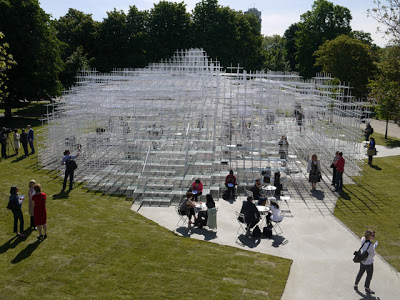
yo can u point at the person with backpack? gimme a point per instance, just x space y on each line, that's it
70 165
15 204
368 263
368 131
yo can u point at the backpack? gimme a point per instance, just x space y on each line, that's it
256 232
267 231
372 130
71 164
225 195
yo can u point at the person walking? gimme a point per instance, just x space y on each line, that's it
339 173
16 141
15 204
24 141
69 168
31 138
314 170
40 213
371 150
333 166
367 265
31 192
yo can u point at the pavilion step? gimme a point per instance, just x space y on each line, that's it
155 201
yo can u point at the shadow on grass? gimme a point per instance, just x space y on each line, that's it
26 252
18 122
9 244
392 143
18 159
61 195
376 167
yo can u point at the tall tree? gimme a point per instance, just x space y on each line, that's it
349 60
324 22
275 53
169 29
290 45
74 63
35 48
77 29
387 13
6 63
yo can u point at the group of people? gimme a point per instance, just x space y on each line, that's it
36 209
252 215
314 171
24 138
187 207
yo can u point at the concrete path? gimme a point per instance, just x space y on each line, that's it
320 246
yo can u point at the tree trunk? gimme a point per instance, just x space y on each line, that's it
387 125
7 107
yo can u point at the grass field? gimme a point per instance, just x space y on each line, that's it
98 248
375 204
390 142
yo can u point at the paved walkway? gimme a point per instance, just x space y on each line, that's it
320 246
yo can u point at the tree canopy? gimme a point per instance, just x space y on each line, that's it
387 13
35 48
6 63
275 54
324 22
347 59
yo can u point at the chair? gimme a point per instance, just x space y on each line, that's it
242 225
276 227
182 218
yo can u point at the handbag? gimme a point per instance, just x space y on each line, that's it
358 256
371 152
332 165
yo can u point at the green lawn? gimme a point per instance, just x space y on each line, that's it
390 142
98 248
375 204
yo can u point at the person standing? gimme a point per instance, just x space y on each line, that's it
31 138
24 141
339 173
368 131
69 170
367 264
39 207
371 150
283 147
314 170
230 183
333 166
16 141
15 204
31 192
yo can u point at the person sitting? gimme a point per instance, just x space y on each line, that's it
275 212
251 214
186 207
197 188
257 192
202 216
230 183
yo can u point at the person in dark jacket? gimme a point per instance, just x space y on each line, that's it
230 183
24 141
16 204
251 213
31 138
257 192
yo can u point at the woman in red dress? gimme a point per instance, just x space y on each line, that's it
39 209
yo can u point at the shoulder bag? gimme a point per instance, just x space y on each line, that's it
358 256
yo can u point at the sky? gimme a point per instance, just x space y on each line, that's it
277 15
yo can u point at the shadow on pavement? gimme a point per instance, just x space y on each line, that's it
188 231
248 240
320 195
279 241
366 296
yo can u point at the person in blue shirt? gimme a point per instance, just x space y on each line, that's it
31 138
371 150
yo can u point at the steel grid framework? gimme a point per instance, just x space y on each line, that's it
148 133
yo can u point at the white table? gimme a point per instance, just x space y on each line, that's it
270 189
201 206
262 209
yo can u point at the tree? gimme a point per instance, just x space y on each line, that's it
387 95
275 53
290 45
387 13
75 62
169 29
77 29
35 48
349 60
6 63
325 21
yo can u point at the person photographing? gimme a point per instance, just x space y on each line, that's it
70 165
